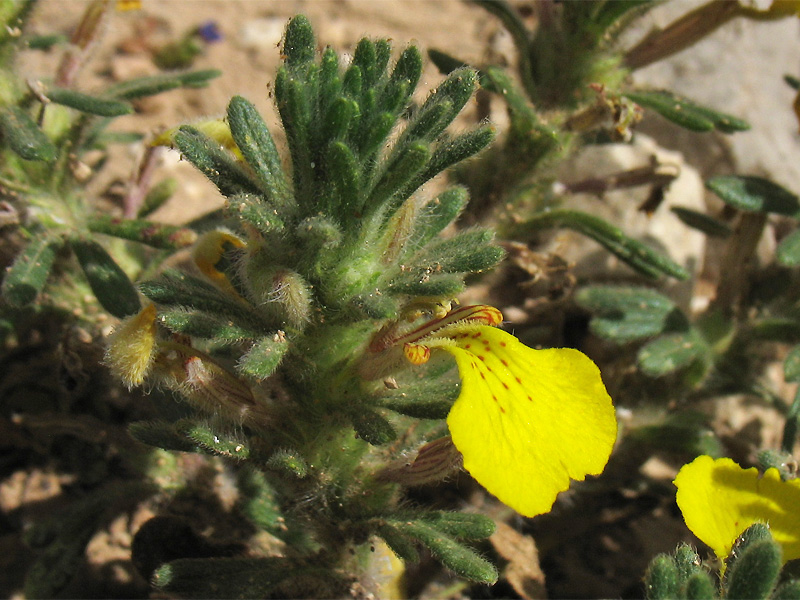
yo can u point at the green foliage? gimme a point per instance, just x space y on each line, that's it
686 113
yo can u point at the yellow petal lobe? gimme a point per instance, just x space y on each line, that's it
719 500
131 347
209 251
527 421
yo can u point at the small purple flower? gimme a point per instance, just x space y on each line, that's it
209 32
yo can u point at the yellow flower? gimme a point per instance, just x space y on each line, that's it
208 253
527 421
719 500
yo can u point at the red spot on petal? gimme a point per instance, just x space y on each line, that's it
481 357
505 385
467 346
494 397
503 360
482 375
519 381
530 399
502 410
476 335
503 344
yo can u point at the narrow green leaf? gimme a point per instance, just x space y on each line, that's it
299 45
289 462
161 434
702 222
436 215
157 235
461 526
213 442
344 172
791 365
372 427
258 501
470 251
444 62
156 84
686 113
103 107
205 326
255 142
214 162
635 253
455 556
755 194
23 136
670 353
777 329
402 545
223 577
27 276
175 288
158 196
788 251
426 399
254 210
437 285
108 281
623 314
397 173
264 357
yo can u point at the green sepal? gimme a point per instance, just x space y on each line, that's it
755 572
755 194
253 210
108 281
24 137
687 561
264 357
454 92
215 163
161 434
670 353
299 45
788 251
686 113
204 325
436 215
156 84
157 235
461 526
699 586
258 501
402 545
789 590
158 196
213 442
294 105
255 142
702 222
633 252
452 554
372 427
175 288
625 314
27 276
758 532
661 581
436 285
102 107
425 399
289 462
